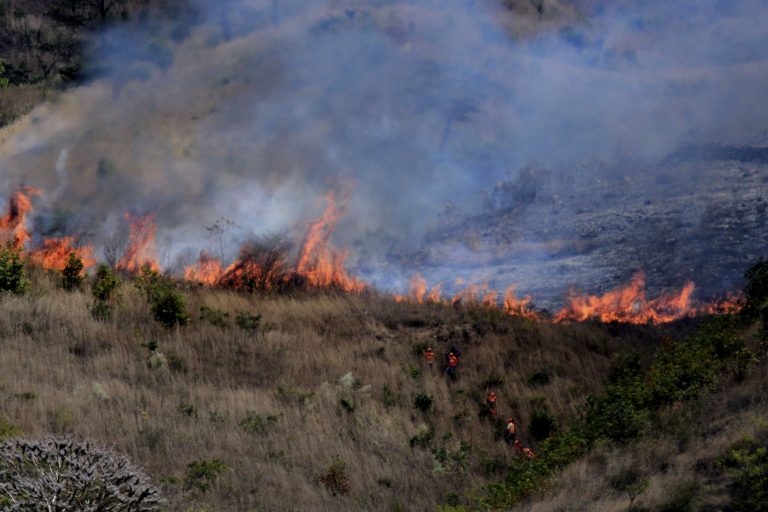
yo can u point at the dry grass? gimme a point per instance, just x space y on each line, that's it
62 371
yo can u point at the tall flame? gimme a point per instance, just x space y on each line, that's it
141 248
319 262
13 225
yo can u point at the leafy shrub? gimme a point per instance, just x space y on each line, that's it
542 424
7 430
539 378
248 322
629 480
214 317
422 438
747 467
188 410
347 404
756 290
169 306
681 498
256 423
335 478
148 281
389 397
67 474
72 273
494 380
422 402
202 473
12 272
105 283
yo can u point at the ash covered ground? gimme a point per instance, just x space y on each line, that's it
699 215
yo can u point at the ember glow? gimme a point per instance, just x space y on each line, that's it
142 249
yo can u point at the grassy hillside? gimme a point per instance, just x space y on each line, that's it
230 415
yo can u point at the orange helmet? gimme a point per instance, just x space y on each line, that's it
510 420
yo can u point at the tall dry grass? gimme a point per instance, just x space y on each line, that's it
62 371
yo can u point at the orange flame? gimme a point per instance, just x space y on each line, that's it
628 304
517 307
418 288
319 263
54 253
207 271
141 248
13 225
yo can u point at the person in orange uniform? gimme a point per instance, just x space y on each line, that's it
452 368
429 357
490 404
511 431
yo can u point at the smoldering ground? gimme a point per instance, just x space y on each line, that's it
252 110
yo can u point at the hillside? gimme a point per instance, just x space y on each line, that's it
227 413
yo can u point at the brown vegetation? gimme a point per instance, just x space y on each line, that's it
325 382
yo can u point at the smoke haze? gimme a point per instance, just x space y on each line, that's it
252 110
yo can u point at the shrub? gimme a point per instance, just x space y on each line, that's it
169 306
335 478
256 423
756 290
7 430
422 402
542 424
747 466
539 378
202 473
12 272
65 474
72 273
248 322
105 283
629 480
681 498
214 317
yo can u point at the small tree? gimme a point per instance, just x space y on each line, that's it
61 474
756 291
631 481
12 272
103 288
72 274
336 479
4 82
168 305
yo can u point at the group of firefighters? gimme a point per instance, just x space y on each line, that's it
453 357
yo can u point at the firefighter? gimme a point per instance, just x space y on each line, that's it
453 364
429 357
490 404
510 433
528 453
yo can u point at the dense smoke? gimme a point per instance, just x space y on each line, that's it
252 110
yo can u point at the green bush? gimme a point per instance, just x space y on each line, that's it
168 305
214 317
202 473
72 273
7 430
4 82
422 402
257 423
104 285
539 378
629 480
747 467
12 272
248 322
542 424
756 290
335 478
